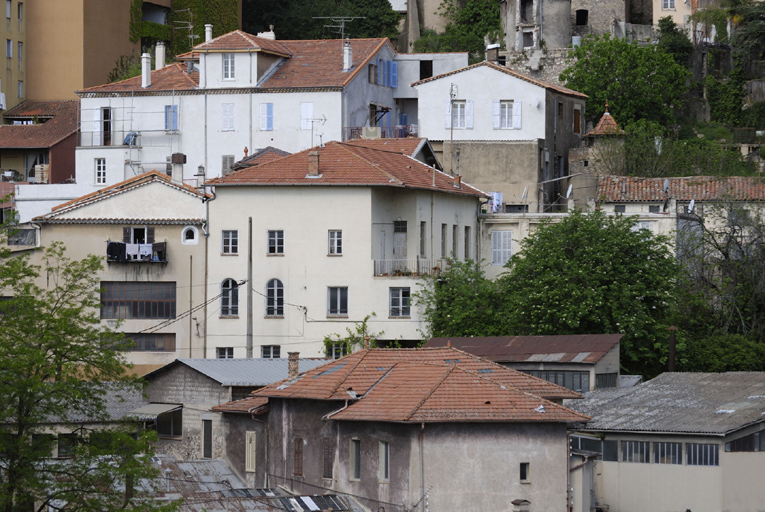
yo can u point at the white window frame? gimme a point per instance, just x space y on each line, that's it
100 168
274 298
229 298
501 247
195 235
275 242
224 352
399 302
268 351
336 295
230 238
227 117
335 238
229 66
668 5
266 117
506 114
171 118
458 114
384 461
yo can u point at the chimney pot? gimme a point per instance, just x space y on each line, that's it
293 365
246 151
159 55
145 70
347 56
313 163
208 32
458 181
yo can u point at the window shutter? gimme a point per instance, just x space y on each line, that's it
126 235
448 115
501 247
469 114
270 117
249 450
495 114
227 121
394 74
149 235
263 117
379 71
517 115
97 127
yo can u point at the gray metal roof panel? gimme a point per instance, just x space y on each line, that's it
246 372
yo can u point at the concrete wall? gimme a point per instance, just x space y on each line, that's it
409 69
234 428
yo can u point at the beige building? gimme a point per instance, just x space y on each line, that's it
13 75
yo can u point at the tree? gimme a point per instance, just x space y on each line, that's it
639 82
674 41
337 346
594 274
54 358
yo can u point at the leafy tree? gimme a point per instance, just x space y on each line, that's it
54 354
336 345
674 41
639 82
749 32
594 274
462 302
125 67
723 353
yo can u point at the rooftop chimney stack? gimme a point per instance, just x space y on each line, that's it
159 55
268 35
145 70
208 32
347 56
492 53
293 365
313 163
458 181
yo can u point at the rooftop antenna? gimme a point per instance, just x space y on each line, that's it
322 120
340 22
188 25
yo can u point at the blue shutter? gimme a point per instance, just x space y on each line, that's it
270 117
394 74
379 71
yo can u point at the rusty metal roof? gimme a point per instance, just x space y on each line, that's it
574 348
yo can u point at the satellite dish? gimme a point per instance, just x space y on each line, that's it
568 192
691 205
666 186
525 193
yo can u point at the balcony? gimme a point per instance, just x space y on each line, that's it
409 268
380 132
118 252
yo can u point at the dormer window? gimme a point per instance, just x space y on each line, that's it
228 66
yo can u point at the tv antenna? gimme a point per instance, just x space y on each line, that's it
187 25
322 120
340 22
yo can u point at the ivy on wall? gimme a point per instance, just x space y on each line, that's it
136 14
222 14
156 31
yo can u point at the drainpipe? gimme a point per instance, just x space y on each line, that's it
422 465
249 289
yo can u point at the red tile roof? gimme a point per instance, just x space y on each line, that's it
61 123
171 77
349 164
623 189
252 404
260 156
407 146
606 126
427 385
507 71
238 41
580 348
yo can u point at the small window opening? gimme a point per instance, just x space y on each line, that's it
582 17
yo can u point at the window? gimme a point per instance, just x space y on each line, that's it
372 73
270 351
328 452
525 471
306 116
455 241
641 224
8 48
227 162
668 453
21 88
19 51
467 242
335 242
702 454
21 11
423 238
297 468
8 9
250 447
274 298
355 459
620 208
22 237
426 69
224 352
207 439
384 469
155 342
569 379
171 118
458 114
228 66
100 171
751 443
577 120
230 242
337 301
668 4
337 350
654 208
190 235
266 117
170 424
444 241
67 445
635 451
229 298
501 247
581 17
503 115
137 299
276 241
606 380
399 239
227 117
399 302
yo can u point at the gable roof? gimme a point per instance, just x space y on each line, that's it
61 123
58 212
416 147
343 164
241 41
172 77
239 372
575 348
682 403
507 71
623 189
606 126
260 156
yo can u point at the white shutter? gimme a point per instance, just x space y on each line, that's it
469 114
501 247
306 114
495 114
517 115
97 139
448 115
263 117
250 451
227 117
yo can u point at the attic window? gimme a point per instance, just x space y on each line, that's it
331 370
485 370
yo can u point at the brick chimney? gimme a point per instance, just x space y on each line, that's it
208 32
293 365
313 163
458 181
145 70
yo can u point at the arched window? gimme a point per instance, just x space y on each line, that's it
274 298
190 235
229 299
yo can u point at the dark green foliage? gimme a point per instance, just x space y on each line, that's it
222 14
639 82
152 32
726 97
125 67
674 41
749 33
723 353
294 19
360 335
136 14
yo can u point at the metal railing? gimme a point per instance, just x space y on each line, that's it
391 132
409 267
119 252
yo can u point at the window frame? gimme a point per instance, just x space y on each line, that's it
337 306
266 117
229 298
274 299
506 114
229 66
702 454
668 5
171 118
524 471
100 169
152 342
297 461
638 452
354 472
501 247
250 451
399 302
466 242
664 450
224 352
275 242
270 350
230 241
335 242
207 440
227 117
383 471
458 114
117 295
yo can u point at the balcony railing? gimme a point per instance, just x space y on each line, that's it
377 132
118 252
409 267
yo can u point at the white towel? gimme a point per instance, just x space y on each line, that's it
144 251
131 250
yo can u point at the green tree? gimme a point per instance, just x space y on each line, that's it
338 346
723 353
54 357
674 41
639 82
594 274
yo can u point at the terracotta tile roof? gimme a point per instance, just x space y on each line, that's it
348 164
606 126
251 404
117 188
171 77
623 189
507 71
61 123
579 348
238 40
260 156
362 370
407 146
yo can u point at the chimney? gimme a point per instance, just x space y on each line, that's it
246 150
492 53
293 365
159 55
458 181
347 56
268 35
208 32
145 70
313 163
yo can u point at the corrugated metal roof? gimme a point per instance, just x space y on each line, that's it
241 372
690 403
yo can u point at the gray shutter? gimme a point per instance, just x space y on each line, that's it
126 234
448 114
517 115
149 235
